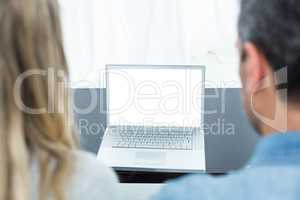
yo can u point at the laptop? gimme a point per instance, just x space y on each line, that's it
154 118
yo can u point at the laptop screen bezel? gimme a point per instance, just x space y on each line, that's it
124 66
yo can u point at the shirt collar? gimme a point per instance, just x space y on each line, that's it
278 149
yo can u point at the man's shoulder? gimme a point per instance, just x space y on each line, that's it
197 187
243 184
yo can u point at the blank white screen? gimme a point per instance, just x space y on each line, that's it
155 97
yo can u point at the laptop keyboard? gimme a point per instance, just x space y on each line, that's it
175 138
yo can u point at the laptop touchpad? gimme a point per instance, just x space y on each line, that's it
143 157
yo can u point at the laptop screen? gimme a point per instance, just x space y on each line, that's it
155 95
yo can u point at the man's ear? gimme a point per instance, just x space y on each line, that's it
255 67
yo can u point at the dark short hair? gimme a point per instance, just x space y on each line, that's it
274 27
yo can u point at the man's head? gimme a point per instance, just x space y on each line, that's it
269 32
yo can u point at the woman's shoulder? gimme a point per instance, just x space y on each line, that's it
87 161
92 177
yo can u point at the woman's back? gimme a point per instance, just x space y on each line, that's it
90 179
38 149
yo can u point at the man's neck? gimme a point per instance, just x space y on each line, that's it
289 122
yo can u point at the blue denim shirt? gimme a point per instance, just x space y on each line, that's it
273 173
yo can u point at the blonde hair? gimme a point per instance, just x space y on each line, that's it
31 40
